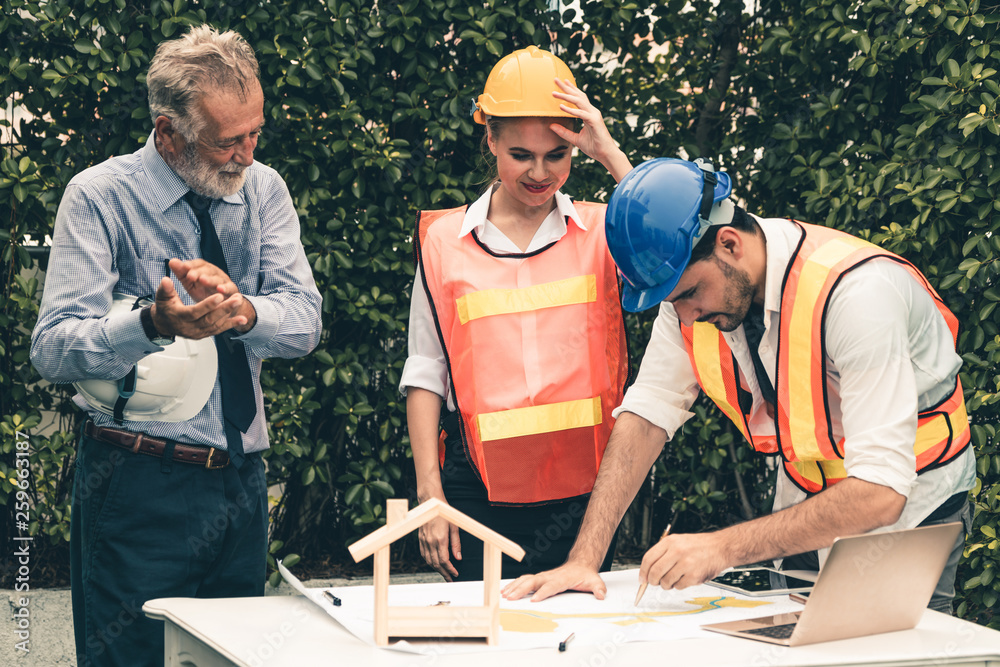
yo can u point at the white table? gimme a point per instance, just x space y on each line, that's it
291 631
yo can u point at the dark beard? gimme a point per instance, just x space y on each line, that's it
738 297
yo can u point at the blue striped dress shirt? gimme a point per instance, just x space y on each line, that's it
117 225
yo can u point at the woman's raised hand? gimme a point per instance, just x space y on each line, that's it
594 138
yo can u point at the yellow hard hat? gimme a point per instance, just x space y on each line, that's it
521 85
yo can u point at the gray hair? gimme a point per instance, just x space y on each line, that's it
201 61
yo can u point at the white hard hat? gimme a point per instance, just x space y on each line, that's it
168 386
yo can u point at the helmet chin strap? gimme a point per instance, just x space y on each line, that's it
708 202
126 386
707 192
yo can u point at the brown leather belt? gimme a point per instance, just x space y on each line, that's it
140 443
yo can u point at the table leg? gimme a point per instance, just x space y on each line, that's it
182 649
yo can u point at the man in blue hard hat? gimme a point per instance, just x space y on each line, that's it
826 351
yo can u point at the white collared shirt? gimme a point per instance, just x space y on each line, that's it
889 354
425 364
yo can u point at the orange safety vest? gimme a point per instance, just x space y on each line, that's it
812 458
536 351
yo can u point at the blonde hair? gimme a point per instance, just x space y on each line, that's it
201 61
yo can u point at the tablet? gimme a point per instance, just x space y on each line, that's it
756 581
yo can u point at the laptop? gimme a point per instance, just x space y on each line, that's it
870 584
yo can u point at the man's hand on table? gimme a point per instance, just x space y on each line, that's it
676 561
567 577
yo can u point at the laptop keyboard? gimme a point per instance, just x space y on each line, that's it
773 631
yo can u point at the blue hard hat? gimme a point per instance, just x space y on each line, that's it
655 217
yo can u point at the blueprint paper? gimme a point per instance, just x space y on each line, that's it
660 616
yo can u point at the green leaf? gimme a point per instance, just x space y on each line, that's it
314 73
383 487
353 493
308 475
864 43
343 260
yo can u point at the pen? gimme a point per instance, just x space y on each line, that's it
564 643
642 586
332 598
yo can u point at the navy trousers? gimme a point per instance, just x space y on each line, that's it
144 528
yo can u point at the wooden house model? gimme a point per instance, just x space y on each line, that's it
434 621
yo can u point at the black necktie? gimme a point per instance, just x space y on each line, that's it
753 327
238 405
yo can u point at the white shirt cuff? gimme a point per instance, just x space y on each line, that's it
128 339
424 373
655 406
266 326
884 466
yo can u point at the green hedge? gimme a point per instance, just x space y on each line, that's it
875 117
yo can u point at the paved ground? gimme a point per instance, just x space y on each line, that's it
51 622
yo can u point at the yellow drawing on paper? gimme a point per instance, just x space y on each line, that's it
543 621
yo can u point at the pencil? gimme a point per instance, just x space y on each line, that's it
642 586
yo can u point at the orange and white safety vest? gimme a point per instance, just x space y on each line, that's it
812 458
536 351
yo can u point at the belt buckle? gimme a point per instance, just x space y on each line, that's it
208 461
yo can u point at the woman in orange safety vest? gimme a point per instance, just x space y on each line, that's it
516 324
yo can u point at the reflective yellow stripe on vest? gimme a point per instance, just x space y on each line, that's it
804 394
817 474
539 419
943 433
708 367
580 289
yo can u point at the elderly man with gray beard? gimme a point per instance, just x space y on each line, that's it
170 498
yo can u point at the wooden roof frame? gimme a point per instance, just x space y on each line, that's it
418 516
437 621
